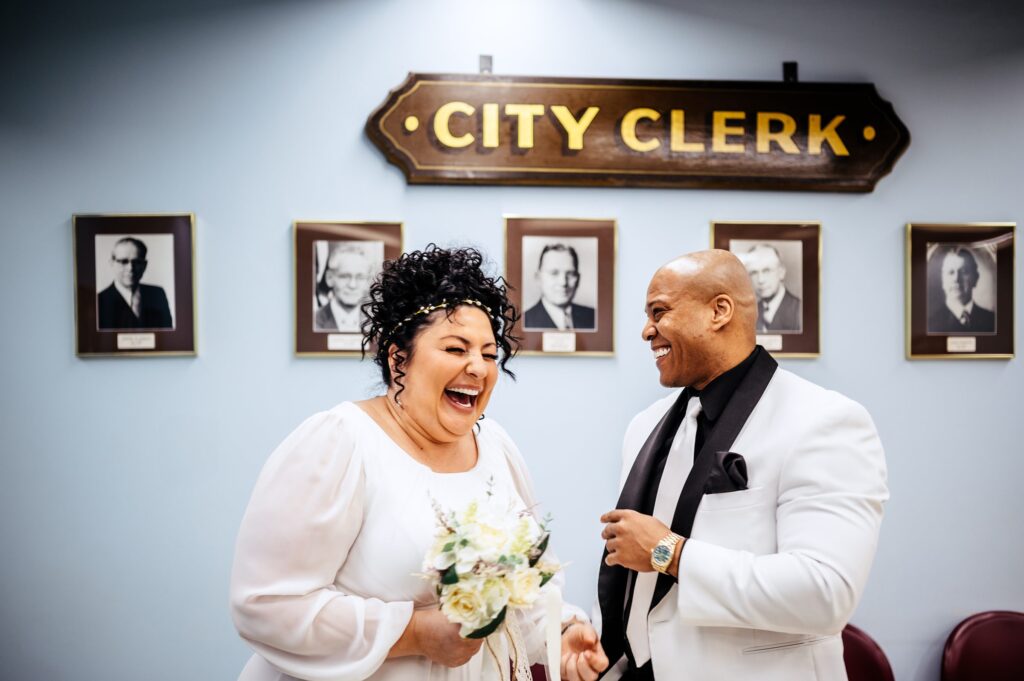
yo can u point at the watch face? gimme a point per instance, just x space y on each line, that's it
661 554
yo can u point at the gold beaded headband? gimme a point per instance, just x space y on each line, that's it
427 309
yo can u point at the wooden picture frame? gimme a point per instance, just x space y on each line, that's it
335 262
134 284
561 272
960 290
784 263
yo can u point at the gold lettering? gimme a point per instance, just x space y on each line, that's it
490 125
573 128
526 113
720 131
629 122
443 132
678 134
783 137
816 135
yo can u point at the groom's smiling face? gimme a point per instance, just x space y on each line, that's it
677 328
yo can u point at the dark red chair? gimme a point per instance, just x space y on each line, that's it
865 660
988 646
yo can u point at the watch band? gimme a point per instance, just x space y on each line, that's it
661 555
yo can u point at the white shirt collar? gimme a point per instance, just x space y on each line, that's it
125 293
774 303
561 316
347 321
958 309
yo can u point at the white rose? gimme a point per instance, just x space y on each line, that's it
463 606
525 587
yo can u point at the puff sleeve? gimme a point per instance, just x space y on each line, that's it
303 517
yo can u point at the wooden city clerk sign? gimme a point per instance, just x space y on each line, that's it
481 129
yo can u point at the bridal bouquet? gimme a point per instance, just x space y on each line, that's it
486 559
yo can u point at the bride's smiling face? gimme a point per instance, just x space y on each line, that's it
450 373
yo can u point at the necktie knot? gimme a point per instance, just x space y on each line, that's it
965 317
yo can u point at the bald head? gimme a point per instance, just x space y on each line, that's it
701 308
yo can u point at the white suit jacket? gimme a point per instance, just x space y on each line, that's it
770 575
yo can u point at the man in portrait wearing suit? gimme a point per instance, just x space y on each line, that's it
128 303
346 281
777 308
959 312
750 505
558 273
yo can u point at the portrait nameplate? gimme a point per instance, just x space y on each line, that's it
344 341
559 341
136 341
961 344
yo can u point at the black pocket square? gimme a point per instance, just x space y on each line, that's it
728 474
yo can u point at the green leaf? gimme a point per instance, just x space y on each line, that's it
487 630
538 550
545 577
450 576
448 547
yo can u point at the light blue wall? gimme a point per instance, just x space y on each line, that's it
122 482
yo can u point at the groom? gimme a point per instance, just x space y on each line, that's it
747 524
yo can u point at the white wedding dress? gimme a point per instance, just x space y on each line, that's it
326 566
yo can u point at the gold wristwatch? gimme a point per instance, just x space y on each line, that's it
661 556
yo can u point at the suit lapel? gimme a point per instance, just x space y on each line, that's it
612 580
729 425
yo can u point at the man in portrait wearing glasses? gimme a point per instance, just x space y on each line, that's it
778 310
558 273
345 282
128 303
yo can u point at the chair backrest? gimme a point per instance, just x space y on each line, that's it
987 646
865 660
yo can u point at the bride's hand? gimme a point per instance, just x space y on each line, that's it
582 656
430 634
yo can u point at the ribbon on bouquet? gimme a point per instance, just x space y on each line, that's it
506 644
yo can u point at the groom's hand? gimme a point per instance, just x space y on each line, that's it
630 537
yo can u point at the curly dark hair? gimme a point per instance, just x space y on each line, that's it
422 279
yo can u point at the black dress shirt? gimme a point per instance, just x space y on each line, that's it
713 399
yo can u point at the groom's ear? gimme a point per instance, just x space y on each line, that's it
722 311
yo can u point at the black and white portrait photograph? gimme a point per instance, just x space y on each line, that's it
783 261
134 288
960 287
559 278
561 275
335 264
135 276
343 272
776 273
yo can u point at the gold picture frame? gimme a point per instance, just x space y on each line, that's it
784 262
334 262
960 281
577 316
135 286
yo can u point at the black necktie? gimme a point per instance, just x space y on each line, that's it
615 579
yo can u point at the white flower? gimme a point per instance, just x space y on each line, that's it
525 587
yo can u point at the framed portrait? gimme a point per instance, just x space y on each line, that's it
960 290
783 260
562 275
335 263
134 284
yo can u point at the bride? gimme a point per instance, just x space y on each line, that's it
324 584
